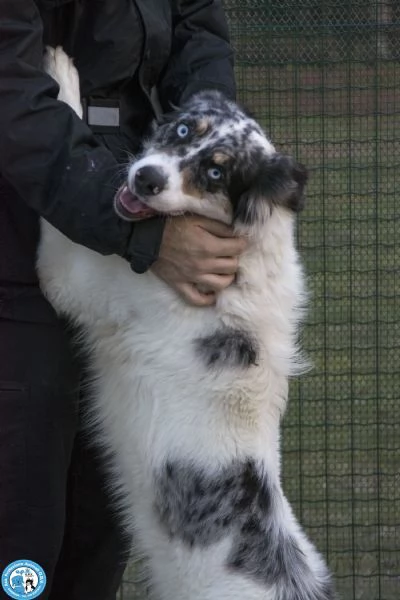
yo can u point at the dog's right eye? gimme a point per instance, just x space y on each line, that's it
214 173
182 130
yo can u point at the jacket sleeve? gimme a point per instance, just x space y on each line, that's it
201 54
47 153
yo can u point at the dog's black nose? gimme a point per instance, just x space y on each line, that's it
150 181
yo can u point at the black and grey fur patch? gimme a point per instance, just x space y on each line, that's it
274 181
271 555
200 509
228 347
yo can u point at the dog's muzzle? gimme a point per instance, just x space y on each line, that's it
150 181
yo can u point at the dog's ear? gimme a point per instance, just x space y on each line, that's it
279 181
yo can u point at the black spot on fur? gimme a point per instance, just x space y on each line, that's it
200 509
263 550
269 556
286 179
277 181
228 347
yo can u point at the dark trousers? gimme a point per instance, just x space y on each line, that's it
54 508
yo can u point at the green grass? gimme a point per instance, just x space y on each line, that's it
341 438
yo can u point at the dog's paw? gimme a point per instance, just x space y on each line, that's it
61 68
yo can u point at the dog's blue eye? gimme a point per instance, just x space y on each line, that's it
214 173
182 130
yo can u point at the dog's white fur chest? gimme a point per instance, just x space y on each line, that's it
141 338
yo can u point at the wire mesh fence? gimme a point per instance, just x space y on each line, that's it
323 77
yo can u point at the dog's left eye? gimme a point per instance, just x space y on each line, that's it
182 130
214 173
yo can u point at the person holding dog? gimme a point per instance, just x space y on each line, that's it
55 166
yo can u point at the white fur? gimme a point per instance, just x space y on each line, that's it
154 399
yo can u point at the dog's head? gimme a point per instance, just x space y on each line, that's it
212 159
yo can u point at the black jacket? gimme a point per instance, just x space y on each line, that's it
51 163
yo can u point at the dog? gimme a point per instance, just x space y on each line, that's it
187 401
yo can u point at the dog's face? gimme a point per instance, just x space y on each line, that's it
211 159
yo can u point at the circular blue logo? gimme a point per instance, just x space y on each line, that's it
23 579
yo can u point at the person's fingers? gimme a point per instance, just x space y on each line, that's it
198 258
216 283
224 247
214 227
205 281
194 296
219 266
200 237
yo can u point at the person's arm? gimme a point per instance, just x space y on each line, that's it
47 153
198 254
201 54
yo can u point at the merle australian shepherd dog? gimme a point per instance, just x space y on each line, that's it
187 401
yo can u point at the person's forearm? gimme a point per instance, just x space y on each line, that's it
201 55
47 153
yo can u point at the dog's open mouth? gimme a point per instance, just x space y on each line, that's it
129 206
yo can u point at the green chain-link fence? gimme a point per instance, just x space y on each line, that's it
324 79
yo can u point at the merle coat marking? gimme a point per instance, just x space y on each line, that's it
228 347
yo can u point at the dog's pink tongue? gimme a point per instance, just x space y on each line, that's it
130 202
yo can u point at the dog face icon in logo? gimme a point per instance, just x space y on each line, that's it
23 579
29 583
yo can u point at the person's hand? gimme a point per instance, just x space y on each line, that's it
198 257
